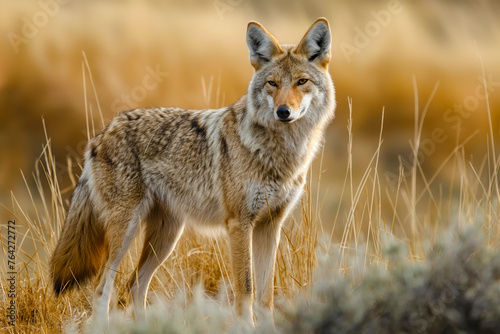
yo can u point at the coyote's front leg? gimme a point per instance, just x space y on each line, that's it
265 241
266 235
240 242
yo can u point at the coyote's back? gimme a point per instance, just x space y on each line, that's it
239 169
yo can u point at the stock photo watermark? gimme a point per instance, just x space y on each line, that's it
31 25
453 116
222 7
11 279
437 307
363 36
151 81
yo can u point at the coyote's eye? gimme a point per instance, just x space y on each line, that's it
301 82
272 83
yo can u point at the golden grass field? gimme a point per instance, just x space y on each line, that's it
412 155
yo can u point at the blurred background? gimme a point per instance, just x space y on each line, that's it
193 54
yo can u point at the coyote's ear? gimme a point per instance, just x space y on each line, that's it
261 44
316 43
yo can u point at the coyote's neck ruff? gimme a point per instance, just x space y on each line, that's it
241 169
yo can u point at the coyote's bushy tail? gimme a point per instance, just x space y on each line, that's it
81 245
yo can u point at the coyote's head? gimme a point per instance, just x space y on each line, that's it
290 81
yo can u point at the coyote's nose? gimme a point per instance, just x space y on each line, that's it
283 112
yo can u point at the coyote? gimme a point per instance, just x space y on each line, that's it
239 169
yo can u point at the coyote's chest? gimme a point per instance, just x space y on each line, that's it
271 195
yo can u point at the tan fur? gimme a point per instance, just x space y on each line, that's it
85 256
224 169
